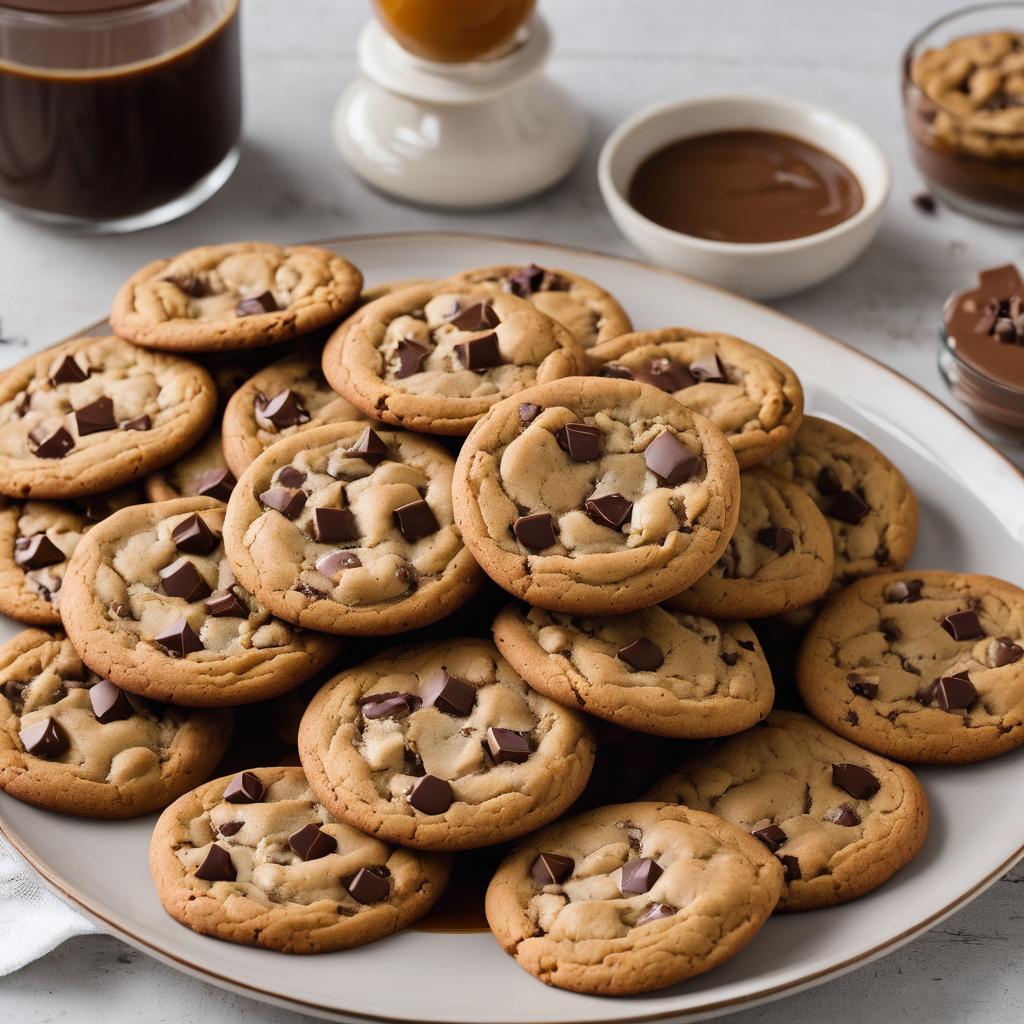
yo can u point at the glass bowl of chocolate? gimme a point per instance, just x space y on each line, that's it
963 103
981 351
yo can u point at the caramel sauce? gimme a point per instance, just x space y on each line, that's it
454 31
745 186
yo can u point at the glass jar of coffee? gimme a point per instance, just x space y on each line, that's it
117 114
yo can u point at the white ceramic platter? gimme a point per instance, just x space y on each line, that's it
972 504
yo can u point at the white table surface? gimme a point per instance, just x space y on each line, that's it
617 56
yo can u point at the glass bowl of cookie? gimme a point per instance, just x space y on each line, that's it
963 103
981 347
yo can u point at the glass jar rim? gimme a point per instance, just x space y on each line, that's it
61 8
134 36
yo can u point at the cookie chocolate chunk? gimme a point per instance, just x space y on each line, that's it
754 398
590 313
122 414
201 472
840 820
363 544
870 508
438 770
655 670
399 359
525 495
236 295
75 743
631 898
286 397
779 558
151 631
923 666
283 873
36 540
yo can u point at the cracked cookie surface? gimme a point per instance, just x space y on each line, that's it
779 558
349 529
236 295
840 820
36 540
580 305
607 497
631 898
867 501
255 859
434 358
73 743
754 398
655 670
443 746
92 414
284 398
920 666
150 602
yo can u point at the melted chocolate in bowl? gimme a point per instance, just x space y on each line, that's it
745 186
985 326
128 134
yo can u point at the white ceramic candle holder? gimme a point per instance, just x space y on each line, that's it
457 135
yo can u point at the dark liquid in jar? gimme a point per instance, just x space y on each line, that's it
107 144
745 186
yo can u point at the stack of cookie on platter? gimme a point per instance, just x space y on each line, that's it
474 563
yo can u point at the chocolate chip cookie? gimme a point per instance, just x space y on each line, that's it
150 602
631 898
75 743
254 859
435 358
290 395
237 295
867 501
779 559
655 670
95 413
36 540
920 666
754 398
349 529
841 821
577 303
442 747
971 108
595 496
203 471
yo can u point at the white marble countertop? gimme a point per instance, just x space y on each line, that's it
617 57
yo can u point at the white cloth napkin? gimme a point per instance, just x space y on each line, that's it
32 920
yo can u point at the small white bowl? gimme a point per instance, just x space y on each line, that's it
762 270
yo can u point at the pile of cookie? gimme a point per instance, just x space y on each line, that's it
459 558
